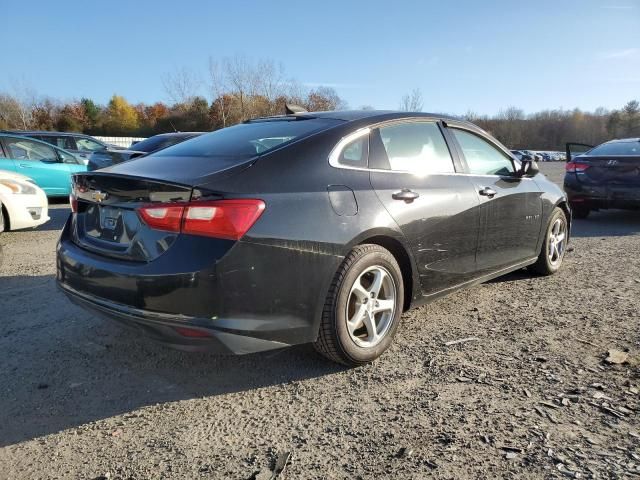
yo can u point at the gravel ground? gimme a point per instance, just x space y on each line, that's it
532 397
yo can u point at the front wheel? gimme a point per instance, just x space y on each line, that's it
554 245
363 307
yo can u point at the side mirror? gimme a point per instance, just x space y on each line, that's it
529 167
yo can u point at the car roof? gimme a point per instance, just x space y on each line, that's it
21 137
177 134
624 140
44 133
373 116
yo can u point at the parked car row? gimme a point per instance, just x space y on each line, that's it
50 158
539 156
80 145
106 158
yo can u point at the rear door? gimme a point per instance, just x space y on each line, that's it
39 162
414 175
510 205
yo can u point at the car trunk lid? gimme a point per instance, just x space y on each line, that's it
107 221
607 170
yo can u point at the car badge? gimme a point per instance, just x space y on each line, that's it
612 163
99 196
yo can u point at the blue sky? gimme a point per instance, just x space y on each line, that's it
463 55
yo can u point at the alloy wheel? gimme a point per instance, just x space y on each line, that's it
557 241
371 306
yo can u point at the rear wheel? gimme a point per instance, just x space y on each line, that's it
554 245
580 211
363 308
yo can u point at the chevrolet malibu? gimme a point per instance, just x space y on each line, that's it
305 228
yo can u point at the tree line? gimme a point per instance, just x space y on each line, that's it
236 89
551 129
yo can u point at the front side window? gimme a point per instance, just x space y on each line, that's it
23 149
86 145
481 156
416 147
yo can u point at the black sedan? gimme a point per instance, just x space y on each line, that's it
310 227
102 159
602 177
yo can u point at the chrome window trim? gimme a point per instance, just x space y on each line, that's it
334 156
344 141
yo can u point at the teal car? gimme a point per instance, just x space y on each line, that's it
48 166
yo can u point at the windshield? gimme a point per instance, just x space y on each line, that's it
248 139
616 148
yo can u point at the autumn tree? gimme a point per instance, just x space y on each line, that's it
120 117
324 99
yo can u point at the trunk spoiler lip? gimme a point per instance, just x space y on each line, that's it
199 182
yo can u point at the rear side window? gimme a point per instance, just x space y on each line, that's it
248 139
25 149
416 147
65 142
87 145
617 148
482 157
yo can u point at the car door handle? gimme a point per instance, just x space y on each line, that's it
488 192
25 165
405 194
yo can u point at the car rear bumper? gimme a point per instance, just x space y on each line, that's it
203 336
245 298
602 196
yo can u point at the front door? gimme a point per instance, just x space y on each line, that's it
39 162
511 205
413 175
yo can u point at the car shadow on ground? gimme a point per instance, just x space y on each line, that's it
607 223
63 367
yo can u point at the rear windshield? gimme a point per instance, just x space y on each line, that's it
616 148
247 139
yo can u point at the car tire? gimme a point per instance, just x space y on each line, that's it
580 211
554 245
3 222
358 324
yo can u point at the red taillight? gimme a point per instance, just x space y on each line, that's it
191 332
575 167
160 217
222 218
73 201
229 219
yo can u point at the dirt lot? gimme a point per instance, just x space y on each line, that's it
533 397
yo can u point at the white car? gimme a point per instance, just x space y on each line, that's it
24 204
